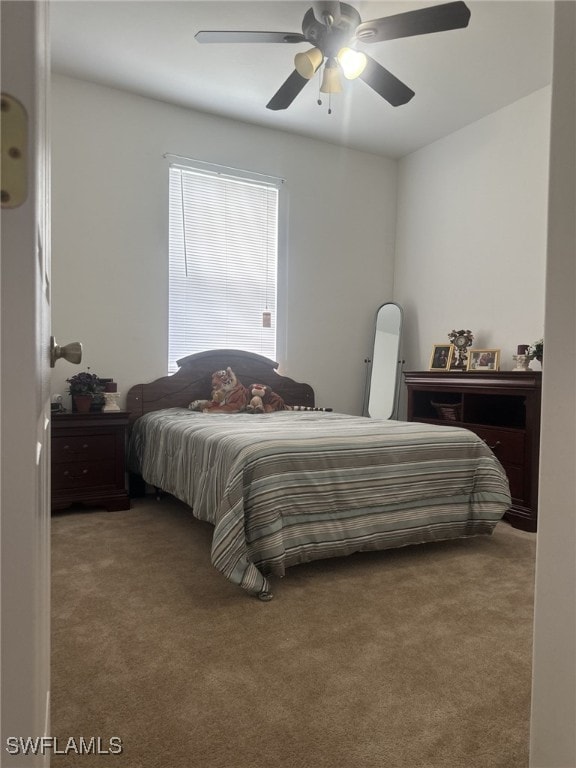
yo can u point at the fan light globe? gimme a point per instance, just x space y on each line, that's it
331 79
352 62
308 62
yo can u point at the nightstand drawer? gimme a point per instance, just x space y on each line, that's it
83 474
82 447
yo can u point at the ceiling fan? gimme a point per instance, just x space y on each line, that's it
334 29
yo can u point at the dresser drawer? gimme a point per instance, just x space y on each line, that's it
507 444
82 447
83 474
516 481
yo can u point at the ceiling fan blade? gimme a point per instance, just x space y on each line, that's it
287 92
385 83
437 18
223 36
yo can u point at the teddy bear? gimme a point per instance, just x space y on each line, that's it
256 404
264 399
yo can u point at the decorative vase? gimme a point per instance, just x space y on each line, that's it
82 403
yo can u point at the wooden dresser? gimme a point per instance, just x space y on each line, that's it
501 407
88 459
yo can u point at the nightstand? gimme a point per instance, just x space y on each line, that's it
89 459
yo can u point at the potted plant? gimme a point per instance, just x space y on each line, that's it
84 387
536 350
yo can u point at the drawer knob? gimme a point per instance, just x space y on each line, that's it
493 447
67 473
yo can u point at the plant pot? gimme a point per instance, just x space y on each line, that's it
82 403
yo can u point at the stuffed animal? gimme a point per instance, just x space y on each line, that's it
256 404
264 400
228 395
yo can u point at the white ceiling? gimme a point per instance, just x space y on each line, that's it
148 47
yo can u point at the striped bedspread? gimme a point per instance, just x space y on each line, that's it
291 487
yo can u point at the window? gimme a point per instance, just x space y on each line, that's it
223 253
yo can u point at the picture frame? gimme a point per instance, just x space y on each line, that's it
441 357
483 360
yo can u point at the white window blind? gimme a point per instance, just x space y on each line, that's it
223 253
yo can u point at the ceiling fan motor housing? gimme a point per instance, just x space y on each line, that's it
330 38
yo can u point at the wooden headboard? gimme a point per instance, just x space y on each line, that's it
193 381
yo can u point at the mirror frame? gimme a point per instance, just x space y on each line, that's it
394 371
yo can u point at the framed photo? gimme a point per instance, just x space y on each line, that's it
483 360
441 357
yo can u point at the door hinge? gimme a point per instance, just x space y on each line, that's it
14 152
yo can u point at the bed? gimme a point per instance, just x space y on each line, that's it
294 486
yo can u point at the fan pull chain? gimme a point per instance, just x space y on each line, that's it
319 102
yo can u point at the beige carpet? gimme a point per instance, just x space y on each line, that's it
413 658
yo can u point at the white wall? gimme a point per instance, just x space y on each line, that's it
471 233
110 232
553 729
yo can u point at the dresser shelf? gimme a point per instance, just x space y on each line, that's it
501 407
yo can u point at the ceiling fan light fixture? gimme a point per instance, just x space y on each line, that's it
331 79
353 62
307 63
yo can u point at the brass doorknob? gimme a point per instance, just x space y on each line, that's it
71 352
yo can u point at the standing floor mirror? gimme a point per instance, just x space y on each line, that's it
384 367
